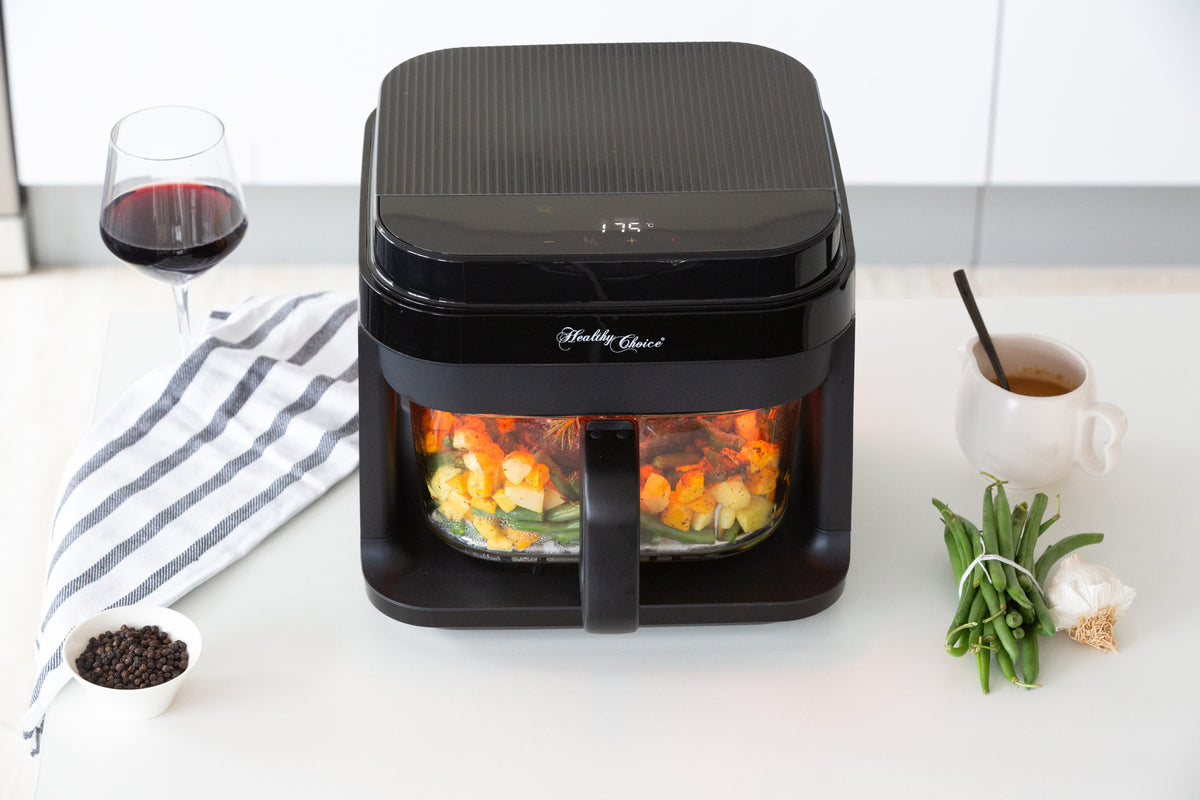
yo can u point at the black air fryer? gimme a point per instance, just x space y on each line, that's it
607 339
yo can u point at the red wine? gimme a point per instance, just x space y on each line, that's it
173 231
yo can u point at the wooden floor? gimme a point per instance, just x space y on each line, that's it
52 336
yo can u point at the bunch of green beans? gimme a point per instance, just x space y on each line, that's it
1001 611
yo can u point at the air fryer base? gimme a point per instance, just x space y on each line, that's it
792 574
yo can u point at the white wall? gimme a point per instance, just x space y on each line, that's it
1091 92
907 89
1099 92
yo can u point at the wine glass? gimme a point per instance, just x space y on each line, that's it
172 207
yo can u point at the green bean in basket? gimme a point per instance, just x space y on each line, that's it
1000 609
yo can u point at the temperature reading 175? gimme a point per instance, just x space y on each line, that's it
625 226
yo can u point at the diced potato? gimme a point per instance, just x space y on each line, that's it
761 481
521 539
455 506
689 487
656 493
746 426
503 501
756 515
726 517
704 508
499 543
440 484
517 465
760 455
677 516
552 497
731 494
702 519
526 497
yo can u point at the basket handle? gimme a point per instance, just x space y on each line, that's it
610 534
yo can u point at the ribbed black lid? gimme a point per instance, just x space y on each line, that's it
534 176
601 118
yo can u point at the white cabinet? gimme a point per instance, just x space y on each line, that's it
1099 92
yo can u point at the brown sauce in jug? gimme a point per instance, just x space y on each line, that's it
1038 383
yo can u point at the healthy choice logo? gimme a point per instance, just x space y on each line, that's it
616 342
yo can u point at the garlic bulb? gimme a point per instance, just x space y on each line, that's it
1085 600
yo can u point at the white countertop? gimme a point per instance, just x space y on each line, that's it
305 689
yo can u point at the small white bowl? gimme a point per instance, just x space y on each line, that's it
134 703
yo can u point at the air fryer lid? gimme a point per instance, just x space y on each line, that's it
713 158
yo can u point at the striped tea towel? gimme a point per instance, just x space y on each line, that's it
197 462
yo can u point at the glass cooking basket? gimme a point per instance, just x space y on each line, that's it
508 487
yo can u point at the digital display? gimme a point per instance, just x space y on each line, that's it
625 225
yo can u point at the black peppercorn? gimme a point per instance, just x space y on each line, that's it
132 658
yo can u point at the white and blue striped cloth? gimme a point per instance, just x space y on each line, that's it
197 463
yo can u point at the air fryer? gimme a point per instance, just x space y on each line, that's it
606 344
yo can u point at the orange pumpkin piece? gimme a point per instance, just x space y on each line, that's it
458 483
677 516
520 539
470 434
690 487
656 492
760 454
486 458
746 426
537 477
485 504
761 481
440 422
481 484
704 504
429 442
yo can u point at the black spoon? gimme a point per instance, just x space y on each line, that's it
964 289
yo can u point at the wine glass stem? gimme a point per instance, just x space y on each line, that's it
182 317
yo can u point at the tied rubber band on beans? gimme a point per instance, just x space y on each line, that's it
992 557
